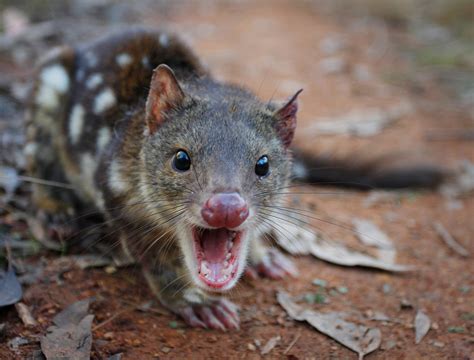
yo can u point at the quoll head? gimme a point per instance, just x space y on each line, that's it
214 159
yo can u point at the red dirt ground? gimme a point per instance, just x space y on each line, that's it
274 49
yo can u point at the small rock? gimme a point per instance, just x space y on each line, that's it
16 342
405 304
166 349
110 269
109 335
438 344
251 347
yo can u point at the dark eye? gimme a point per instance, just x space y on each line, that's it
181 161
262 167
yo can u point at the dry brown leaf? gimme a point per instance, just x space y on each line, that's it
371 235
298 240
70 337
422 326
358 338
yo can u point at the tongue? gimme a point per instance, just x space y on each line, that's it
214 245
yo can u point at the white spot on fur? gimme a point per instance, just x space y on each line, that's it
94 80
55 77
76 123
116 181
104 101
54 81
103 138
164 40
123 59
47 97
88 168
30 149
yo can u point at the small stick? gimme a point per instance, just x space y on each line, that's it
292 343
449 240
25 314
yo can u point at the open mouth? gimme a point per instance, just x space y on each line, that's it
217 253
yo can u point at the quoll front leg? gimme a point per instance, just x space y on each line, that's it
198 309
269 262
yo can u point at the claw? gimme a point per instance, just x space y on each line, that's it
218 314
274 265
206 314
190 317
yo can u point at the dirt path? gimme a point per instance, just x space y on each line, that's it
275 50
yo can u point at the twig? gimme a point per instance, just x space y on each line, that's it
25 314
449 240
292 343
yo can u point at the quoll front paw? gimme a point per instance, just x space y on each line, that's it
216 313
273 265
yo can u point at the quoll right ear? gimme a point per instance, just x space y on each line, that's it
285 119
165 94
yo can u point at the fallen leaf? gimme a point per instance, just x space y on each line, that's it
359 338
10 288
422 326
339 254
298 240
70 337
270 345
73 314
371 235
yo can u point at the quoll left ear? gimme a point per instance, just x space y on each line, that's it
285 118
165 94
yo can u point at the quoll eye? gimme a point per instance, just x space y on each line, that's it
262 167
182 161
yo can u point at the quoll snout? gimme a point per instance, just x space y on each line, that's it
225 210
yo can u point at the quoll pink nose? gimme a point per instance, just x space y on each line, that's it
225 210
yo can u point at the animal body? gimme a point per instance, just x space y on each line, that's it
183 168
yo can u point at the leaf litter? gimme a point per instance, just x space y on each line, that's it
71 335
422 326
10 288
298 240
358 338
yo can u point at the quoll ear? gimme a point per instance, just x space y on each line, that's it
165 94
286 119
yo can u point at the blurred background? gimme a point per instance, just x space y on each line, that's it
380 78
407 59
